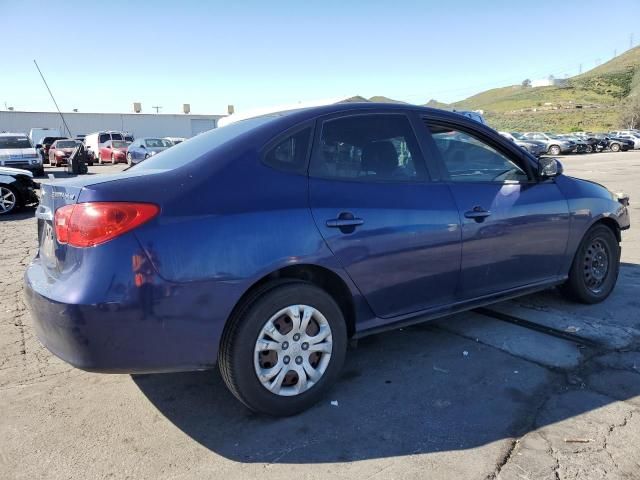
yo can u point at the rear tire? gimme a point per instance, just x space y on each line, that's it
595 267
554 150
615 147
242 354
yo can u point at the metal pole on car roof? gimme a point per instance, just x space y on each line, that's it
54 100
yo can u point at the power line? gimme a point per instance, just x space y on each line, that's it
54 100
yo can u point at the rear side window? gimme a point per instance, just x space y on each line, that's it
291 153
368 148
201 144
104 137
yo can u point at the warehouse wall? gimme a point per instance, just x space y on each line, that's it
140 124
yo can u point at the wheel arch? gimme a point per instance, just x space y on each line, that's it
322 277
611 224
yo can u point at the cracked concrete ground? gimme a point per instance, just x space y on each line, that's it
519 404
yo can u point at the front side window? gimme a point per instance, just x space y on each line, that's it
469 159
291 153
368 148
103 137
116 136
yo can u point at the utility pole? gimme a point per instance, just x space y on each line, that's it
157 109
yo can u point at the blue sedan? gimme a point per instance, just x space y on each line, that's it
264 246
143 148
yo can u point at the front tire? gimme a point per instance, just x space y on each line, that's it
595 267
283 348
129 159
9 200
615 147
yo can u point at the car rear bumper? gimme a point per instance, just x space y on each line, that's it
156 332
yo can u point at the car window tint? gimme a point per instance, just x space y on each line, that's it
291 153
469 159
116 136
368 148
104 137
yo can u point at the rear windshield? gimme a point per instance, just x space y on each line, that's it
15 142
157 143
189 151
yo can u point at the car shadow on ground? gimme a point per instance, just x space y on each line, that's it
22 214
405 392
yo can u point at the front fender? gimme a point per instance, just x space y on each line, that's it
589 203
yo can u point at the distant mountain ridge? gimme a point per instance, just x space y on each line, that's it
589 101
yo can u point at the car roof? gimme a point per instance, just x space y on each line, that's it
288 118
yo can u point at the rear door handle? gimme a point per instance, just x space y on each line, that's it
344 222
478 214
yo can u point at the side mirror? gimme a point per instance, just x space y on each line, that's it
143 147
549 167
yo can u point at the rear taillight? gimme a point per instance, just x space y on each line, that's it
89 224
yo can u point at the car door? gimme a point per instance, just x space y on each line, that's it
395 231
514 228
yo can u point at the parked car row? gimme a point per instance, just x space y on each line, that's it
545 143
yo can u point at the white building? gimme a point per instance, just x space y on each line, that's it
139 124
550 81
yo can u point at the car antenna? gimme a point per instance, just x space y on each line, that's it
54 100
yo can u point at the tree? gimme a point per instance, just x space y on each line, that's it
630 113
526 83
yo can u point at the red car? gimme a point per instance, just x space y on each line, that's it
60 151
114 151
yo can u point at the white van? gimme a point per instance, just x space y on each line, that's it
37 134
95 141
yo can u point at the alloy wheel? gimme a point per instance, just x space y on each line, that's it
293 350
596 265
7 200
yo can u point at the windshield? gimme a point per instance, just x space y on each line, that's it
119 144
157 143
15 142
189 151
66 144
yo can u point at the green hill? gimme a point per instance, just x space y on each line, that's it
590 101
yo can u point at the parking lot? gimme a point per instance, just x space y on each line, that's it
533 388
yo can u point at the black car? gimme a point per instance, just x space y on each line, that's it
17 189
614 144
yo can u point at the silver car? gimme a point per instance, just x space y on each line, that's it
534 147
554 143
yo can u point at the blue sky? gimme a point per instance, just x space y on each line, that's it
103 56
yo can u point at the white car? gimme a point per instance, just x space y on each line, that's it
175 140
17 151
